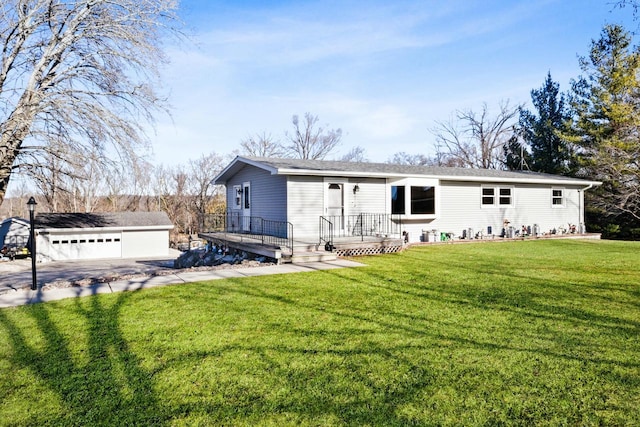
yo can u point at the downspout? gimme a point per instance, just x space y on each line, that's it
581 215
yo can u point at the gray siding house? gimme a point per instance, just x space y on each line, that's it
420 202
14 232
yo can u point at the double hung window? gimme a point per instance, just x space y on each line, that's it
497 196
557 198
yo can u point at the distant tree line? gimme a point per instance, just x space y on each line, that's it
184 192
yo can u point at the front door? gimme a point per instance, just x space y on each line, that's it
335 205
246 206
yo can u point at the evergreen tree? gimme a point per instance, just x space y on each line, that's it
516 155
606 127
543 132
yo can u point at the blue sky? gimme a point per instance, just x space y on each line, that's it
384 72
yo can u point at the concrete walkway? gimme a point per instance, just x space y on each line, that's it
24 296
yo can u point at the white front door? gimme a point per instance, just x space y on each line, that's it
246 206
335 204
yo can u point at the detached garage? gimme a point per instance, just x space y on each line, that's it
71 236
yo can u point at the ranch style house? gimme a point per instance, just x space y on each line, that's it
332 202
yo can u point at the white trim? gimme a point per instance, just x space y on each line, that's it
407 183
496 196
514 180
533 179
102 229
345 194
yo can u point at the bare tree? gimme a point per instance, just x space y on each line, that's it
403 158
170 188
309 141
78 72
262 145
476 140
202 191
356 154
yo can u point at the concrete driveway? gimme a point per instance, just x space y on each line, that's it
17 274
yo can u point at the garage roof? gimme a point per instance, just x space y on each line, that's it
103 220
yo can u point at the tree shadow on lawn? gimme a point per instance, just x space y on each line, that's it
110 387
520 304
425 338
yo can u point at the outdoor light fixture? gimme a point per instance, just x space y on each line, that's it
356 188
32 233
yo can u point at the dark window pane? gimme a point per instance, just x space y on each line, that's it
423 200
487 200
397 200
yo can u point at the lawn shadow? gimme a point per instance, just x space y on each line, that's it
108 387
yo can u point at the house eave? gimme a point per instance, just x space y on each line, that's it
523 180
51 230
492 176
232 168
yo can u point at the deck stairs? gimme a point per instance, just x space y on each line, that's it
307 252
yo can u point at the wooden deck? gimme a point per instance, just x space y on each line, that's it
305 250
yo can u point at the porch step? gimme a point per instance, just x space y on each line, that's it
312 256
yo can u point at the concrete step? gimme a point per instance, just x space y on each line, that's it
315 256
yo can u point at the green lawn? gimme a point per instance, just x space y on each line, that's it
531 332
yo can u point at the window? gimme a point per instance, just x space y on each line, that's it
423 200
237 196
557 197
397 200
246 197
497 196
488 195
505 196
417 197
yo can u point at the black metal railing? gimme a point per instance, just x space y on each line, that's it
326 233
255 229
360 225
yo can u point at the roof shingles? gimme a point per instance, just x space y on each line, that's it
102 220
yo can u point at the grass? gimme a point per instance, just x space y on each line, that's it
521 333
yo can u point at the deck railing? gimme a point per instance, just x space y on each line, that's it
360 225
256 229
326 233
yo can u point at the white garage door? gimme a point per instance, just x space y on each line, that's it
84 246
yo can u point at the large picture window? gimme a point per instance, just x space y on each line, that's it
414 198
423 200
